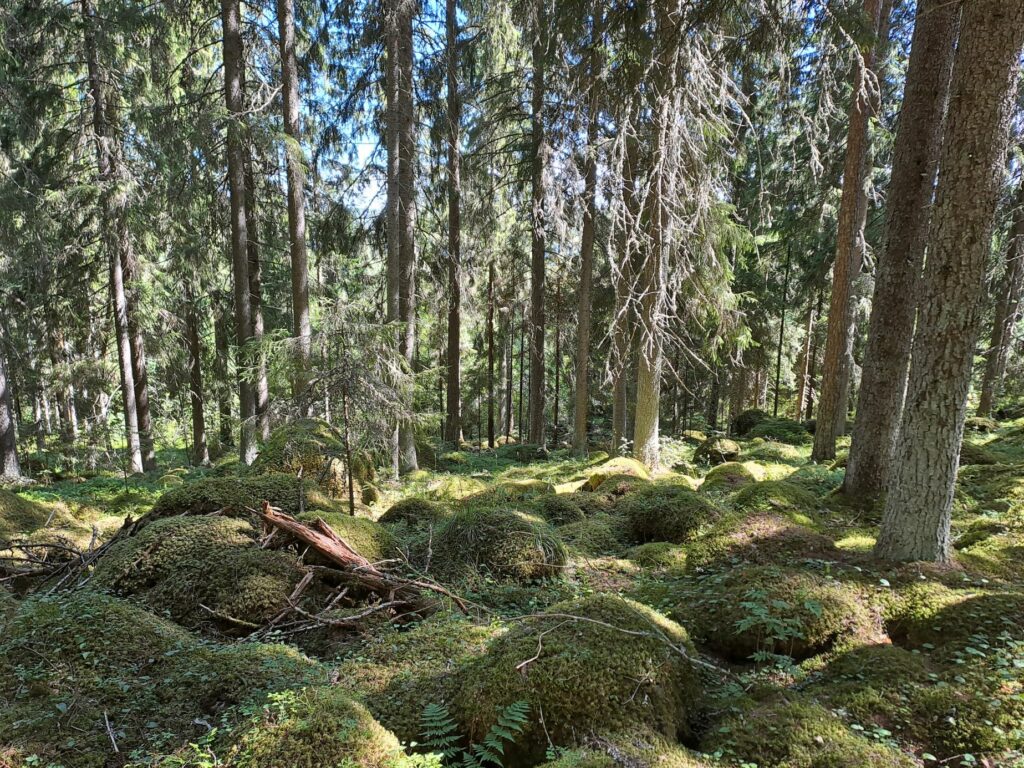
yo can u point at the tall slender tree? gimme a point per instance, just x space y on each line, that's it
538 219
919 496
453 406
10 468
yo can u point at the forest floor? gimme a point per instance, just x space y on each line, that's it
727 611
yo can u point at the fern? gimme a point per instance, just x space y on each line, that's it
441 735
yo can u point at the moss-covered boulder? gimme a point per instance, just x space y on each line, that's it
234 495
313 447
201 571
587 666
23 518
795 734
731 476
666 512
525 489
716 450
747 420
370 539
749 536
776 496
932 615
620 466
753 609
981 424
972 453
416 511
639 748
314 728
499 542
73 663
658 554
559 509
993 549
603 534
782 431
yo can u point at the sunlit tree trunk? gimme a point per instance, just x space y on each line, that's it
538 221
453 415
919 495
200 449
10 468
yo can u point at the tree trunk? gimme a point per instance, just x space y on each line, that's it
782 334
538 223
919 497
221 372
114 214
508 377
623 321
296 205
10 469
261 387
406 223
849 248
1007 310
453 419
522 369
200 450
891 327
235 102
391 132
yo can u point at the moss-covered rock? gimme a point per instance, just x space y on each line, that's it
23 518
994 550
640 748
370 539
415 511
501 542
982 484
782 431
525 489
658 554
716 450
730 476
776 496
201 571
72 663
981 424
313 447
618 467
795 734
693 436
747 420
751 609
588 666
230 495
313 728
600 535
666 512
929 614
615 486
559 509
758 537
972 453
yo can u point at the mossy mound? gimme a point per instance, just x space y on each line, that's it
981 424
716 450
658 554
416 511
316 727
72 663
519 452
774 452
371 540
730 476
22 518
693 436
313 447
776 496
503 543
931 615
995 482
972 453
617 467
590 666
782 431
525 489
617 485
666 512
635 749
232 495
178 565
999 553
397 673
817 478
747 420
770 609
758 537
600 535
559 509
795 734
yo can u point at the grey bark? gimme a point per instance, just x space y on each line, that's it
453 409
538 220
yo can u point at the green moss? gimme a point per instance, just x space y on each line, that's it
777 496
372 540
782 431
24 518
757 537
769 609
817 478
593 665
416 511
994 550
179 564
316 727
500 542
559 509
396 673
600 535
772 451
236 495
620 466
658 554
730 476
995 482
933 615
666 512
747 420
693 436
71 663
525 489
637 749
981 424
795 734
716 450
312 446
972 453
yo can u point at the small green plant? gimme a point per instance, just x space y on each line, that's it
441 735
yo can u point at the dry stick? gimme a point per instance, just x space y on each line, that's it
110 731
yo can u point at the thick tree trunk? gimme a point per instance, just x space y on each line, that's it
538 218
10 468
919 497
406 225
622 276
453 418
891 327
392 11
296 174
522 373
490 355
582 394
1007 310
114 214
235 101
200 450
849 250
